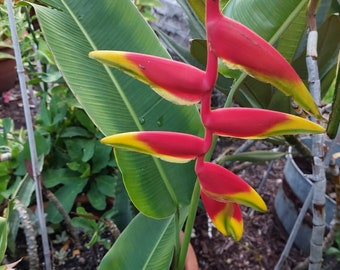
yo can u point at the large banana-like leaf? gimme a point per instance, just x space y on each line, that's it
288 43
115 102
265 17
145 244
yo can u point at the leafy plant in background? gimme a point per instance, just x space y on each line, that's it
61 126
114 103
5 34
75 161
12 143
145 7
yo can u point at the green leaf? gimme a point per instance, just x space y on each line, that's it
333 125
122 205
265 17
7 125
74 131
43 146
88 150
4 179
106 184
288 43
54 177
254 156
195 24
84 120
199 7
51 76
157 247
89 225
93 239
101 157
22 189
118 103
332 251
96 198
80 149
3 237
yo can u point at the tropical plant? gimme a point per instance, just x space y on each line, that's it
55 138
118 108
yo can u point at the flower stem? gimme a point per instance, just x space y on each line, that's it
189 225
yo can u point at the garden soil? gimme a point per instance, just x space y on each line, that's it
263 239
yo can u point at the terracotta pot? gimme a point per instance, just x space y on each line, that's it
8 73
191 262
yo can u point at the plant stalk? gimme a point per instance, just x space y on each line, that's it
30 132
319 175
189 225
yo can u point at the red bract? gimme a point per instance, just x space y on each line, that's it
241 48
175 81
169 146
227 217
222 185
253 123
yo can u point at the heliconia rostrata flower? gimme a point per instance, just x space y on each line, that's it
221 190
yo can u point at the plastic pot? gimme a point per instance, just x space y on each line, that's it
290 197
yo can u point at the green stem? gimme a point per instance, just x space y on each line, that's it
177 237
233 89
189 225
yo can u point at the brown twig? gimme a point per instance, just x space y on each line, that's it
53 199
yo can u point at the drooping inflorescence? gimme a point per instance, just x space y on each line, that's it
180 83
